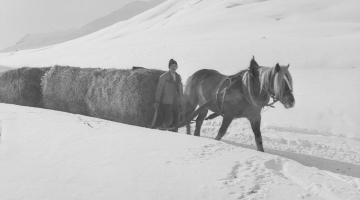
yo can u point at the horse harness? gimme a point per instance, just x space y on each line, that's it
221 90
224 85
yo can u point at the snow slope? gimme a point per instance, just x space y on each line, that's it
37 40
222 34
318 38
53 155
4 68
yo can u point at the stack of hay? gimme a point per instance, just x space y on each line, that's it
22 86
125 96
65 89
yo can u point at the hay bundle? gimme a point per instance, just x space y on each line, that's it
125 96
64 88
22 86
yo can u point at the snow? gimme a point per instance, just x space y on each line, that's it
37 40
318 38
313 149
208 33
47 154
331 153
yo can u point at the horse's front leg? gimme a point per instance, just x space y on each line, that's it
255 125
200 120
224 126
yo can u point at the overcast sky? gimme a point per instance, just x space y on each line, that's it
19 17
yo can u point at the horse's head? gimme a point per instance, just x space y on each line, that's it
283 85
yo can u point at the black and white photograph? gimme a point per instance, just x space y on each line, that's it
179 100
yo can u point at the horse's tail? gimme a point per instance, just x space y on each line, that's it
191 115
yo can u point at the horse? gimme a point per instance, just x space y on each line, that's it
242 95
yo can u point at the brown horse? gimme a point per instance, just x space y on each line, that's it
244 94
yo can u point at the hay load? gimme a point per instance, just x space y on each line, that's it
120 95
125 96
64 88
22 86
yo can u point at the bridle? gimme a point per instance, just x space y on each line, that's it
274 100
273 95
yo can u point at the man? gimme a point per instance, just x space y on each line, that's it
168 97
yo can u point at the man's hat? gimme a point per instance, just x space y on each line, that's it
172 61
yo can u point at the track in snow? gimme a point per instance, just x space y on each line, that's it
323 152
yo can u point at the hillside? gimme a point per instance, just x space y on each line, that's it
37 40
312 150
319 39
53 155
217 34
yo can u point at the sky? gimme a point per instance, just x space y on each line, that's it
20 17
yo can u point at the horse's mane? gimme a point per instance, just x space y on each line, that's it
265 78
259 87
269 81
250 85
259 83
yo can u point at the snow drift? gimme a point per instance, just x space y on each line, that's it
46 154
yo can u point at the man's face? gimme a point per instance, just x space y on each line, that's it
173 67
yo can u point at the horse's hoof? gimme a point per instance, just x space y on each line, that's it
217 138
173 130
261 150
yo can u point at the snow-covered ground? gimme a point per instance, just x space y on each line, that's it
48 154
53 155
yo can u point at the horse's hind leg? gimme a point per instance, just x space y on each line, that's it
188 129
189 115
224 126
200 120
255 125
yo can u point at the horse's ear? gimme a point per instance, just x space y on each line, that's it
277 67
254 67
288 66
253 63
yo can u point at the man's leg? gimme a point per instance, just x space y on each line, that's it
160 116
167 116
176 117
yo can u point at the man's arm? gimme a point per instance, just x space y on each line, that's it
181 92
159 89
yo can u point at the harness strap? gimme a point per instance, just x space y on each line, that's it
221 93
272 103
